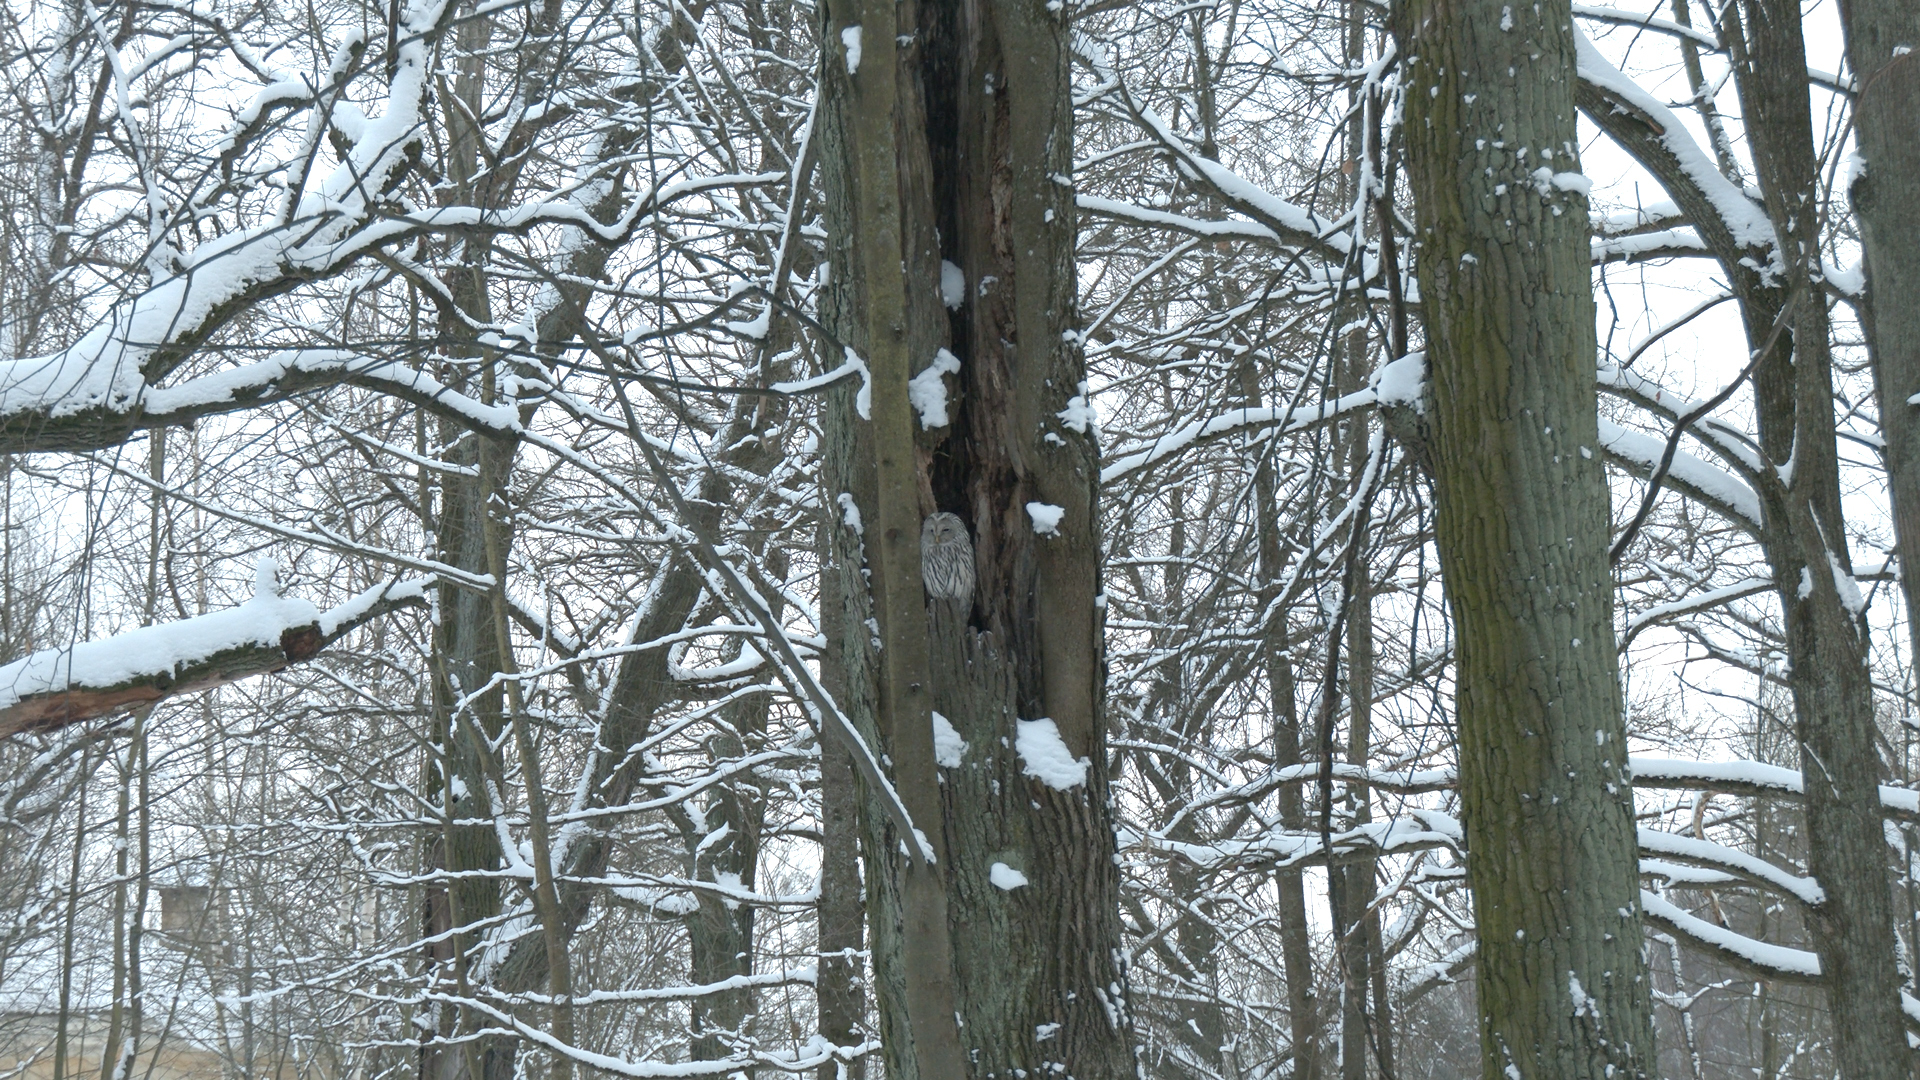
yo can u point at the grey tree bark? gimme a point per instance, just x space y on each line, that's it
1802 530
1521 527
1805 538
1886 201
465 653
977 179
1296 943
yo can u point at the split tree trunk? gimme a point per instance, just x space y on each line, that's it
978 139
1521 526
1804 534
1802 529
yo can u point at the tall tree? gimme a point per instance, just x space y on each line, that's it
1882 36
946 166
1805 537
1521 526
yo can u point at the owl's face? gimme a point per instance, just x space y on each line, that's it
944 528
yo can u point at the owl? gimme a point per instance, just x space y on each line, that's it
946 559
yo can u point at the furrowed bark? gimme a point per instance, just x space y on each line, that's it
981 182
1805 539
1521 526
1886 201
1881 36
843 1006
1004 212
869 114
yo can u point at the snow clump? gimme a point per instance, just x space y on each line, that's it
1005 878
929 394
1046 758
1046 517
949 749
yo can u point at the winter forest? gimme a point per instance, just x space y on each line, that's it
938 539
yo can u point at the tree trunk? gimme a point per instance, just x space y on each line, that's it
1805 538
1881 36
1296 943
1886 201
979 148
1359 926
1521 527
465 654
721 933
842 1002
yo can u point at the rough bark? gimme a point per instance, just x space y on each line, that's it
842 1002
1521 527
1804 534
1005 214
1358 924
876 225
1036 970
1886 201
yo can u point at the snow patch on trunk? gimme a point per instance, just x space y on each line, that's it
1046 519
953 285
949 749
1046 758
928 392
850 37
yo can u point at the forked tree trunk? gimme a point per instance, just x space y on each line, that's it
1804 535
1802 528
1521 526
977 137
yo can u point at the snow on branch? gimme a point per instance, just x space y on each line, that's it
1161 219
1387 387
54 688
1289 222
106 385
1643 247
1712 487
102 376
1731 223
1414 830
1745 778
1756 958
295 370
1699 602
1753 779
1727 860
